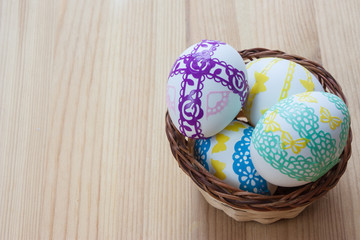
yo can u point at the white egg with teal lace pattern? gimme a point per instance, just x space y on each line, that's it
300 138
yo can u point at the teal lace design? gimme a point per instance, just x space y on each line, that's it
345 125
305 122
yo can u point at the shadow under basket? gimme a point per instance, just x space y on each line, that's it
246 206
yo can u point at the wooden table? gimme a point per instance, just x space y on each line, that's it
83 152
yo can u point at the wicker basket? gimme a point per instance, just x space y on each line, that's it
246 206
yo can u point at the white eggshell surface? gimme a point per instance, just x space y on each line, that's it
300 138
273 79
206 89
226 155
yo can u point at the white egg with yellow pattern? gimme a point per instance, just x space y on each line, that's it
300 138
226 155
273 79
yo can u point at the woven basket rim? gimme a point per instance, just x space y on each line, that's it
284 198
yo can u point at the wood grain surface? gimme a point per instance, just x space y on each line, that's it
83 151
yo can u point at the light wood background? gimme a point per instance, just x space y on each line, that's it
83 152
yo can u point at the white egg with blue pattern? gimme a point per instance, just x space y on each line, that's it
227 156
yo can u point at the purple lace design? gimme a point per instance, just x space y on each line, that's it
195 68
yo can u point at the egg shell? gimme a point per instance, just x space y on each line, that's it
273 79
206 89
300 138
226 155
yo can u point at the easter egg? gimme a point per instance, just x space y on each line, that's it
206 88
226 155
273 79
300 138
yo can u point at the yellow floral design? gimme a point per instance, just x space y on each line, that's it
219 167
259 85
305 97
270 124
295 145
326 117
308 83
220 145
235 126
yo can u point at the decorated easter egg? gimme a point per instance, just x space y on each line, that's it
273 79
226 155
207 87
300 138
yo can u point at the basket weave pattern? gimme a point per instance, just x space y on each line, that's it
246 206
